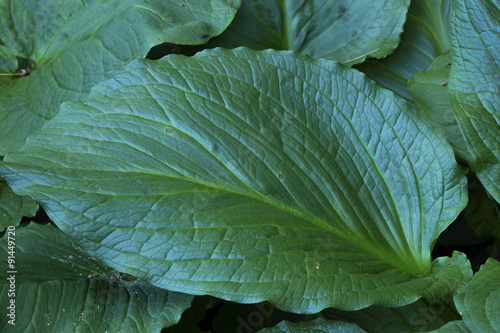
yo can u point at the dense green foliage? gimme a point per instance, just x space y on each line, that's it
324 158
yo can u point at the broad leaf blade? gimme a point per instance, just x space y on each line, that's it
429 89
71 45
13 207
54 292
342 30
478 301
425 37
226 174
474 84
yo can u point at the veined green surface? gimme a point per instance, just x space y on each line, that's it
239 174
70 45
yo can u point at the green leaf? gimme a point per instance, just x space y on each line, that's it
429 90
70 45
319 325
457 326
251 176
14 207
474 88
420 316
53 291
8 62
425 37
478 301
343 30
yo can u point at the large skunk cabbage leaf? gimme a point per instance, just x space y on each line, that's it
68 46
474 84
251 176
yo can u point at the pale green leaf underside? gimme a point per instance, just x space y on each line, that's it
234 172
429 90
341 30
54 293
425 36
13 207
479 300
319 325
75 43
474 84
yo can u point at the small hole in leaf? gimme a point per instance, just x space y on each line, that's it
169 130
48 310
447 133
95 60
281 176
92 290
184 5
204 36
455 122
457 131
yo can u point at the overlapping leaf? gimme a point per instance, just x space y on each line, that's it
479 301
319 325
14 207
420 316
68 46
474 84
457 326
342 30
429 90
252 176
426 36
53 291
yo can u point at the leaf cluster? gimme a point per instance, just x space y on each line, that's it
253 165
